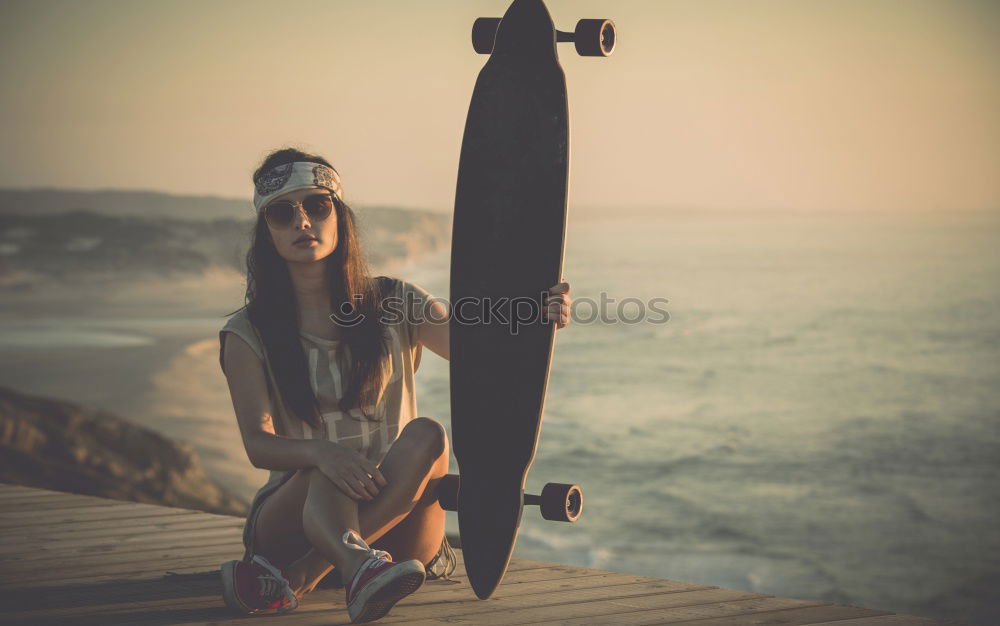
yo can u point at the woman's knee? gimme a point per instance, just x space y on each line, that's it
427 434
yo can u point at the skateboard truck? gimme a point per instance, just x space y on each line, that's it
592 37
559 502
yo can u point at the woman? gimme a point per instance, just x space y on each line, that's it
322 387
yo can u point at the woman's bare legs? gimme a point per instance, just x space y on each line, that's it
300 527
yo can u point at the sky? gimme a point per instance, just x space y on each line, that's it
730 104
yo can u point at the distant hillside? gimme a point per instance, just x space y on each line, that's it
67 447
68 235
111 202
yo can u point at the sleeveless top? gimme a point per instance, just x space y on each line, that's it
371 437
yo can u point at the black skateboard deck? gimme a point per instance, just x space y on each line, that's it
508 239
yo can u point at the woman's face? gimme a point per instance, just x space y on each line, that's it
305 239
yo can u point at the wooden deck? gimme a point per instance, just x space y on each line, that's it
70 559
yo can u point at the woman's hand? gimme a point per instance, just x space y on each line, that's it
557 304
352 473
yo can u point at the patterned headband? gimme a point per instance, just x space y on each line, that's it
293 176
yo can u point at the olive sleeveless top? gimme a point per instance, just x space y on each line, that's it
395 407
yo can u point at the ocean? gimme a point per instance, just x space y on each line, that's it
818 417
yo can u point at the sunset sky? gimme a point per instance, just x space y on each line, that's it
844 105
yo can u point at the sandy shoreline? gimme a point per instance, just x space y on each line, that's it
169 382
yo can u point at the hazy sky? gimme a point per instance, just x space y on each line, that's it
843 104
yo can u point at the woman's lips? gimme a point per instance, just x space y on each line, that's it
305 243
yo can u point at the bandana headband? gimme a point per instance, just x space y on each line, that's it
293 176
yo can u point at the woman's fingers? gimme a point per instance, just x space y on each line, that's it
347 489
559 313
371 470
557 304
367 484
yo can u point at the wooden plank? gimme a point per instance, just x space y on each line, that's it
52 498
101 508
104 528
736 611
156 569
549 602
63 501
92 602
572 603
204 600
194 566
327 604
8 499
41 511
37 549
206 593
144 568
892 620
123 524
333 612
772 616
330 596
117 556
114 512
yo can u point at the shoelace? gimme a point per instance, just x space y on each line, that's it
373 560
274 585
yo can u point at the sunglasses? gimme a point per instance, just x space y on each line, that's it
281 214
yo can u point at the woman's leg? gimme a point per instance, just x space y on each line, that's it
416 535
300 527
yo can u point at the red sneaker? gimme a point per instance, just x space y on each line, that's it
255 587
379 584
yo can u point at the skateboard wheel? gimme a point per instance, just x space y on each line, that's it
561 502
595 38
448 492
484 34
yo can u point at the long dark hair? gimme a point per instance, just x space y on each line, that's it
273 309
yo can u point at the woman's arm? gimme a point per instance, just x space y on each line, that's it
248 389
432 329
354 474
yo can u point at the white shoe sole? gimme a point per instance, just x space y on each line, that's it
375 603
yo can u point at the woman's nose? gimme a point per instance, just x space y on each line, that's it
301 219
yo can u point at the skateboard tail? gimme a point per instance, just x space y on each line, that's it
488 520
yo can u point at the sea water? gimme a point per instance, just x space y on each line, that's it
819 417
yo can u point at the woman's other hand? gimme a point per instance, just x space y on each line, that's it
557 304
352 473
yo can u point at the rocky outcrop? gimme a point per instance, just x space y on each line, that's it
67 447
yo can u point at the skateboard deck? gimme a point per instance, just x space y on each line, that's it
508 239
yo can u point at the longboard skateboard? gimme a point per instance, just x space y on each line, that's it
508 239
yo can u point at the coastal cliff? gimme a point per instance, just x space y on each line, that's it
64 446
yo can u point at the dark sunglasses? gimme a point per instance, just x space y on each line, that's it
282 213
